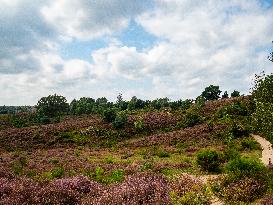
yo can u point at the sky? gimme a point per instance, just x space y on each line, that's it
144 48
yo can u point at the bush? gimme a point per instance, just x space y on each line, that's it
120 121
109 115
244 190
209 160
139 125
241 167
191 119
250 144
239 130
57 172
231 153
187 190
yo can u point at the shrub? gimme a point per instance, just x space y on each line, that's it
57 172
191 119
262 93
244 190
120 121
209 160
139 125
250 144
57 195
186 190
238 130
162 153
143 188
231 153
246 167
109 115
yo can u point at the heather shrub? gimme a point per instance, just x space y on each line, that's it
81 184
244 190
209 160
267 200
20 191
138 189
187 190
56 195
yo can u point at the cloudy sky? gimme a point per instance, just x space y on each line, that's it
147 48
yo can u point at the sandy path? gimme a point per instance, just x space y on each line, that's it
267 149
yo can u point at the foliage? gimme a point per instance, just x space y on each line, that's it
209 160
57 172
262 92
139 125
200 101
244 190
181 104
250 144
186 190
109 115
52 106
190 119
238 130
211 92
120 120
235 93
246 167
225 95
135 103
84 105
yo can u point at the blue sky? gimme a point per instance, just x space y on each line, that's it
151 49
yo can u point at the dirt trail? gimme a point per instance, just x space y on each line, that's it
267 152
205 178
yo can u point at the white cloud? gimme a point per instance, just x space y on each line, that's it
212 41
90 19
198 43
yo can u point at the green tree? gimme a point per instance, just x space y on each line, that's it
136 103
262 93
235 93
211 92
52 106
225 95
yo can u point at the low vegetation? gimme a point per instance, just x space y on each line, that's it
138 152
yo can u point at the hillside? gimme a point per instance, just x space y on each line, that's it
84 160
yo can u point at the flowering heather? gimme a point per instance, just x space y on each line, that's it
267 201
245 190
20 191
143 188
80 184
154 120
41 136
